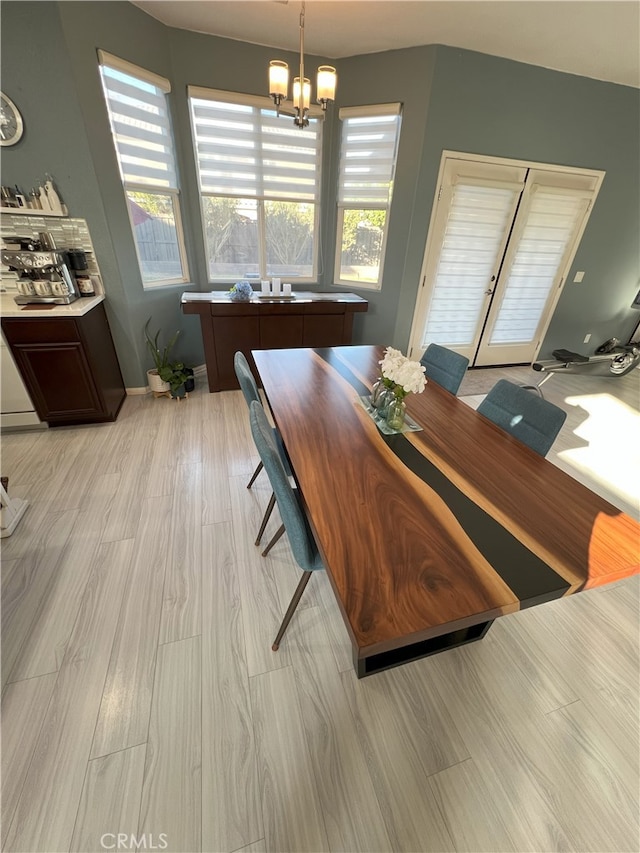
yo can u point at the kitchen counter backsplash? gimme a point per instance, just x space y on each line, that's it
68 234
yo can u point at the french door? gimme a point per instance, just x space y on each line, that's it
502 238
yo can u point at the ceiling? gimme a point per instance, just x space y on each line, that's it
592 38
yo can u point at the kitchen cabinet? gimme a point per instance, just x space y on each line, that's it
69 366
307 320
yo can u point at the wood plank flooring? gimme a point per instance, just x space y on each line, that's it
141 696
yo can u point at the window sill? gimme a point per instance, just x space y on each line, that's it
355 285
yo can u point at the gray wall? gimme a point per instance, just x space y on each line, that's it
405 76
37 75
125 31
452 99
485 105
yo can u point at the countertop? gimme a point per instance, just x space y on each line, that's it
8 307
297 296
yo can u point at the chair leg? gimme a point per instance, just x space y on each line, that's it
535 388
255 474
266 517
538 387
297 595
275 538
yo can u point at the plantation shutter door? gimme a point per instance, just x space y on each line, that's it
544 237
475 210
501 240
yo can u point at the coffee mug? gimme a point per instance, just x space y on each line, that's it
60 288
43 287
26 287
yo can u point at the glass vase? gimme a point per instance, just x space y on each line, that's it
384 401
377 392
395 414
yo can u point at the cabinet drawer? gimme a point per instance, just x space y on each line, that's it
40 331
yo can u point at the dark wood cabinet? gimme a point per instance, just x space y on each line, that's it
69 366
308 320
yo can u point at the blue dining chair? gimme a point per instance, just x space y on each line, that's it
531 419
303 545
444 366
251 394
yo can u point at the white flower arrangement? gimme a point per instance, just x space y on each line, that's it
402 375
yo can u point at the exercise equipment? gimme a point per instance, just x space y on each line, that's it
610 359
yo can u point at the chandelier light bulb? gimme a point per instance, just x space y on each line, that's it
278 80
306 93
326 85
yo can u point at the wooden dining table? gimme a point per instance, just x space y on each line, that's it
428 536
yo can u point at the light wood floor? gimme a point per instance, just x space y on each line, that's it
141 695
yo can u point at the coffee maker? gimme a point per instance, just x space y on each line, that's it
44 273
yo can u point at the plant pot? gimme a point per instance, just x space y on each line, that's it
190 383
156 384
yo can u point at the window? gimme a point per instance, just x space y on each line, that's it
141 128
259 178
367 163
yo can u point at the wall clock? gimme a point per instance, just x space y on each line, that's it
11 126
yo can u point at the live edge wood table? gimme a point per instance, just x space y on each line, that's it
304 320
428 536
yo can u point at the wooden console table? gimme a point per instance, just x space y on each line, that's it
307 320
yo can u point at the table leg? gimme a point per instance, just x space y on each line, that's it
369 665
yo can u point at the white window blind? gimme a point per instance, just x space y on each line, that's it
552 220
138 110
259 178
368 154
140 124
248 151
473 241
368 150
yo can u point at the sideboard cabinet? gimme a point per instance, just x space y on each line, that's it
307 320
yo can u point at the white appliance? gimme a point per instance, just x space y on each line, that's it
16 408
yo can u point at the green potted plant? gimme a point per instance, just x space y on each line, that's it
176 375
166 376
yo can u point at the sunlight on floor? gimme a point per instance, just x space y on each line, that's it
612 455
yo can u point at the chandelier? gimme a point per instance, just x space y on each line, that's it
279 85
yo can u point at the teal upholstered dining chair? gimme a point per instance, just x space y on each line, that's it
444 366
532 420
295 522
251 394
